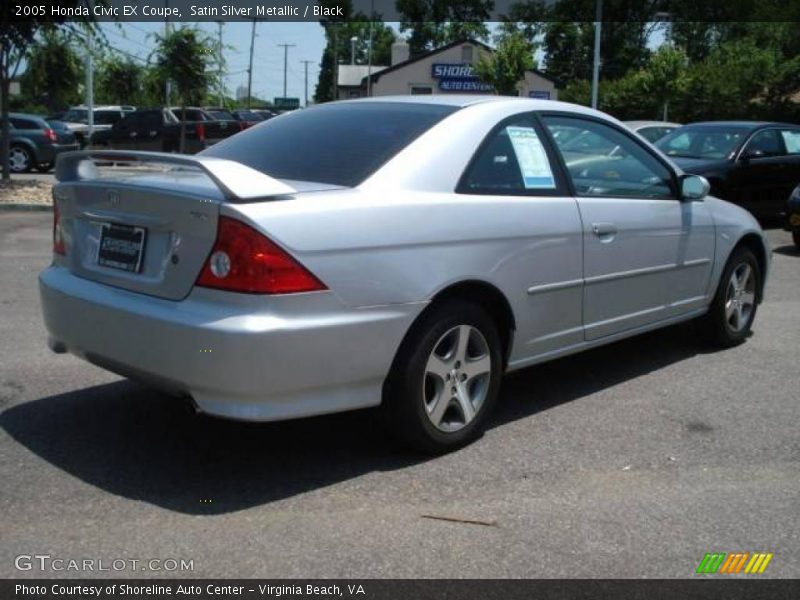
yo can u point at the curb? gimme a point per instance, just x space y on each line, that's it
26 207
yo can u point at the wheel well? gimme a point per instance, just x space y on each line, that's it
752 242
492 300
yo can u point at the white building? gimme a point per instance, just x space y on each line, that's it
445 70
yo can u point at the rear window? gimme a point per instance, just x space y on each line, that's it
220 115
25 123
340 144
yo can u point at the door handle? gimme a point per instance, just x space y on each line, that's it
604 231
153 133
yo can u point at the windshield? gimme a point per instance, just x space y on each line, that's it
220 115
341 144
702 142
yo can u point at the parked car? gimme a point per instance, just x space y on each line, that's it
248 118
217 127
405 253
160 130
652 131
34 143
793 215
752 164
104 118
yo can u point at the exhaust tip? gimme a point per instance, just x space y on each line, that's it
57 346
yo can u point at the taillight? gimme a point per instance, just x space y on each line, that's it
58 237
50 134
200 129
243 260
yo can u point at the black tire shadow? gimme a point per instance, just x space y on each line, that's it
134 442
787 250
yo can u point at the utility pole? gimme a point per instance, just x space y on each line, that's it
89 87
369 49
250 68
305 88
168 83
219 66
285 63
598 24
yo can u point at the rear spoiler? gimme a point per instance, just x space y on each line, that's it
235 180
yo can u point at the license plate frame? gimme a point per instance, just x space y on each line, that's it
121 247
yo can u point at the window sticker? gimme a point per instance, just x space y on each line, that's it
792 141
532 158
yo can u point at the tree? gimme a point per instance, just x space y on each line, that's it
54 71
15 37
338 48
433 23
119 81
182 56
504 68
666 77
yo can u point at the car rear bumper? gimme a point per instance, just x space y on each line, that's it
239 356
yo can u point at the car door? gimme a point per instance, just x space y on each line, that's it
514 173
761 177
647 256
124 133
791 144
150 132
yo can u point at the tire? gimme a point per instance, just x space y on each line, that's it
44 167
20 159
796 237
730 316
422 406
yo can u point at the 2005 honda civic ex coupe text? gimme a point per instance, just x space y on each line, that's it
401 252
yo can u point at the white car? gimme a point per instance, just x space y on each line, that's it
402 252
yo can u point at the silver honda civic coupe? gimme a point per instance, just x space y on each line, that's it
401 252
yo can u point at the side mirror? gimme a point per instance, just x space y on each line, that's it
694 187
749 154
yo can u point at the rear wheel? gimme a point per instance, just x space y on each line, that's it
445 378
733 309
20 159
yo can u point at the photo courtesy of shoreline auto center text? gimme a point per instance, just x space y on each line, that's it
399 299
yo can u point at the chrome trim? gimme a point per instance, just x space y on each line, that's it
647 271
552 287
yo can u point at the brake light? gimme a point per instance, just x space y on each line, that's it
58 237
200 130
243 260
50 134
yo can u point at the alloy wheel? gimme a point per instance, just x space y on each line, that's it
457 377
740 297
19 159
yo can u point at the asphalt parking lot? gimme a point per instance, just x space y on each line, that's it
632 460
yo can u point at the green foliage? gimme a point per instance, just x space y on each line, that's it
184 55
54 72
119 81
434 23
338 47
506 67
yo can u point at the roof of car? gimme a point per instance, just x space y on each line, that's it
15 115
740 124
464 100
639 124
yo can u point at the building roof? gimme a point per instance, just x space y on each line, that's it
352 75
474 42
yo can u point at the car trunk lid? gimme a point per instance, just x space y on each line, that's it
149 227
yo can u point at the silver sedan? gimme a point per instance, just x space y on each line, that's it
402 252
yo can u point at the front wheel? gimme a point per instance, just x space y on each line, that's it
730 316
44 167
445 378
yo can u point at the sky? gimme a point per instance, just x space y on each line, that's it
309 40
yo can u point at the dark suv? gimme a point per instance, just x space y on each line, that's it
35 144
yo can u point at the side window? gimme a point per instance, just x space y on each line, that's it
23 123
791 139
512 160
603 161
763 144
152 120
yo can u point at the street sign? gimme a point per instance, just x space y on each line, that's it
287 103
